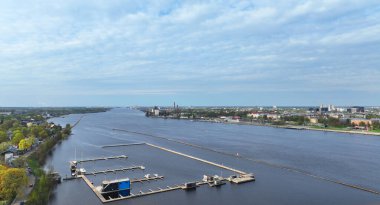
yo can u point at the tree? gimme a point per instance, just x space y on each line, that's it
67 130
22 144
4 146
43 134
11 181
3 136
7 124
17 137
376 125
26 143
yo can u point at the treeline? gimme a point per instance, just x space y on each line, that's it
45 182
42 190
57 135
20 113
303 120
55 112
334 122
299 120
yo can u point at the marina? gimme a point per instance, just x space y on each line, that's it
261 144
121 189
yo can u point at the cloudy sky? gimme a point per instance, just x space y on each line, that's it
114 52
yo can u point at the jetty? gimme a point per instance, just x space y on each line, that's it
145 179
181 154
122 169
101 158
123 145
198 159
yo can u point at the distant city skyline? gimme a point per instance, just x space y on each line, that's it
232 53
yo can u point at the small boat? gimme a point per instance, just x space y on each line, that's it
217 183
81 171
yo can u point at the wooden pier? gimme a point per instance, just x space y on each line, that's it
102 158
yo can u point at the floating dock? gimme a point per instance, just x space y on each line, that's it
114 170
181 154
198 159
150 192
123 145
242 176
145 179
101 158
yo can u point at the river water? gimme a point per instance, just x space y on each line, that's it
288 164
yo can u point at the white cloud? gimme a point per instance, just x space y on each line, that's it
170 43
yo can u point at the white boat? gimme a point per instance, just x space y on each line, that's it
81 171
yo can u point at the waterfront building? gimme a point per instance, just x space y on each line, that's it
156 111
358 121
273 116
313 120
253 115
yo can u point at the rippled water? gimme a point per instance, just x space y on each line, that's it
351 159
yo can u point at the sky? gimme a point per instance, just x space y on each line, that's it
124 53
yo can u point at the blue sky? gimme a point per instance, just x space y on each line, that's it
116 53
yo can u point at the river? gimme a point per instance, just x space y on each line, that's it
291 166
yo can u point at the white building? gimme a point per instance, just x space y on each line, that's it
8 158
156 112
273 116
253 115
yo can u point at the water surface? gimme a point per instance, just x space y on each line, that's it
350 158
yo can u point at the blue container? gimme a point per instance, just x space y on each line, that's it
124 188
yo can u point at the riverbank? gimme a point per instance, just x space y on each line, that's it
26 139
294 127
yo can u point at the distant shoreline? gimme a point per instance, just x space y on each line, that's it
293 127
